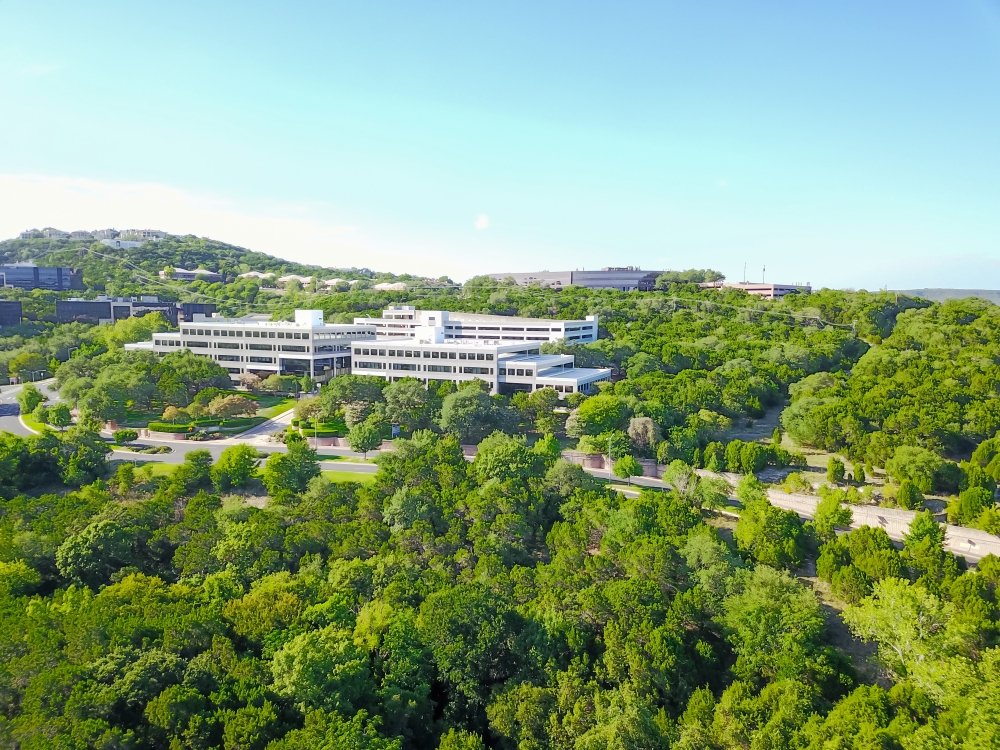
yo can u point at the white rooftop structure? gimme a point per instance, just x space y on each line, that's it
294 277
404 320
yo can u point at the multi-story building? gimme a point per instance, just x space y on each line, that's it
402 321
198 274
110 310
507 367
10 313
30 276
304 346
142 234
767 291
622 278
122 244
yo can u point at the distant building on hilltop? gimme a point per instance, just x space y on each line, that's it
622 278
198 274
766 291
30 276
142 234
122 244
10 313
103 309
259 275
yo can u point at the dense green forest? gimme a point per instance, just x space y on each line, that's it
510 602
514 601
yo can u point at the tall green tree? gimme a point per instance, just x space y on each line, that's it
236 467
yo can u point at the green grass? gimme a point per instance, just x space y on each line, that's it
152 468
352 459
347 476
335 428
34 424
272 406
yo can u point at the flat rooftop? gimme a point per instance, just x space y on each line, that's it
257 323
458 316
501 319
542 360
493 344
575 374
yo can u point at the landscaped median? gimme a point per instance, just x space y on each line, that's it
196 428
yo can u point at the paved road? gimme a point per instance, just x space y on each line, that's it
969 543
176 456
972 544
9 409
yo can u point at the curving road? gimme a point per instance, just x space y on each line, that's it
972 544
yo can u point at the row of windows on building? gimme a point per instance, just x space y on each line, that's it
406 353
235 358
502 338
226 345
235 333
409 367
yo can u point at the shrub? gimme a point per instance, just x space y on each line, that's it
169 427
124 437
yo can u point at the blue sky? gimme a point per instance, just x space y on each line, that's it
850 144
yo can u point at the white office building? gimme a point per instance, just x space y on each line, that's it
430 356
402 321
305 346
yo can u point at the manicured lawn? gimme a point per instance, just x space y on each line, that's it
34 424
272 406
347 476
336 428
352 459
152 468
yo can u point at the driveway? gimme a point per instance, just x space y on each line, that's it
10 410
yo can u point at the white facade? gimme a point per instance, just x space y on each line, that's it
767 291
403 321
122 244
505 366
621 278
305 346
